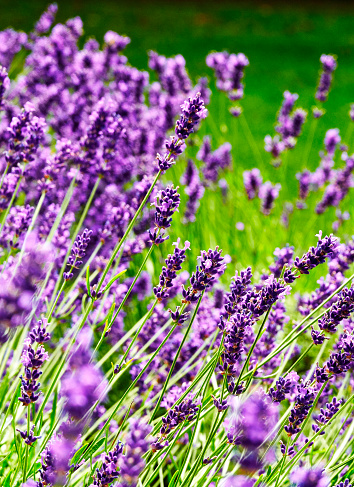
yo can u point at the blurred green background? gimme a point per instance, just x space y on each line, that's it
283 44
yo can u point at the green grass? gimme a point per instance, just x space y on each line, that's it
283 46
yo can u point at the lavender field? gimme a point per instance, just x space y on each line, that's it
176 300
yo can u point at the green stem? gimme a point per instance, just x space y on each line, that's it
30 228
27 446
132 284
309 140
128 230
299 359
77 229
133 384
7 211
4 174
249 136
175 359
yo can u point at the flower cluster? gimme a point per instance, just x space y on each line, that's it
186 410
169 272
33 360
78 252
108 472
316 255
211 265
193 111
229 72
329 65
251 427
304 400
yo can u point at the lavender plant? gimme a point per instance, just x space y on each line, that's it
155 371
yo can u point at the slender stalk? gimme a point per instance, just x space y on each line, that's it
132 284
30 228
309 140
27 446
77 229
175 359
128 230
7 211
4 174
249 136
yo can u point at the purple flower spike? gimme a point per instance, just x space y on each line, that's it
282 387
329 64
78 252
169 272
268 193
136 444
193 111
4 84
252 181
326 414
168 203
274 145
46 20
229 72
339 311
283 257
178 317
317 255
29 438
33 360
317 337
302 477
331 141
303 403
108 473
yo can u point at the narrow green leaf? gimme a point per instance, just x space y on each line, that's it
54 408
88 280
114 279
172 481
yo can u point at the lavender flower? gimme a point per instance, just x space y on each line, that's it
26 132
210 267
326 414
274 145
46 20
178 317
77 252
252 181
303 477
193 110
329 64
303 403
338 311
4 84
29 438
186 410
316 255
252 422
317 337
33 360
268 193
283 257
136 444
169 273
344 483
108 472
282 387
331 141
229 71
